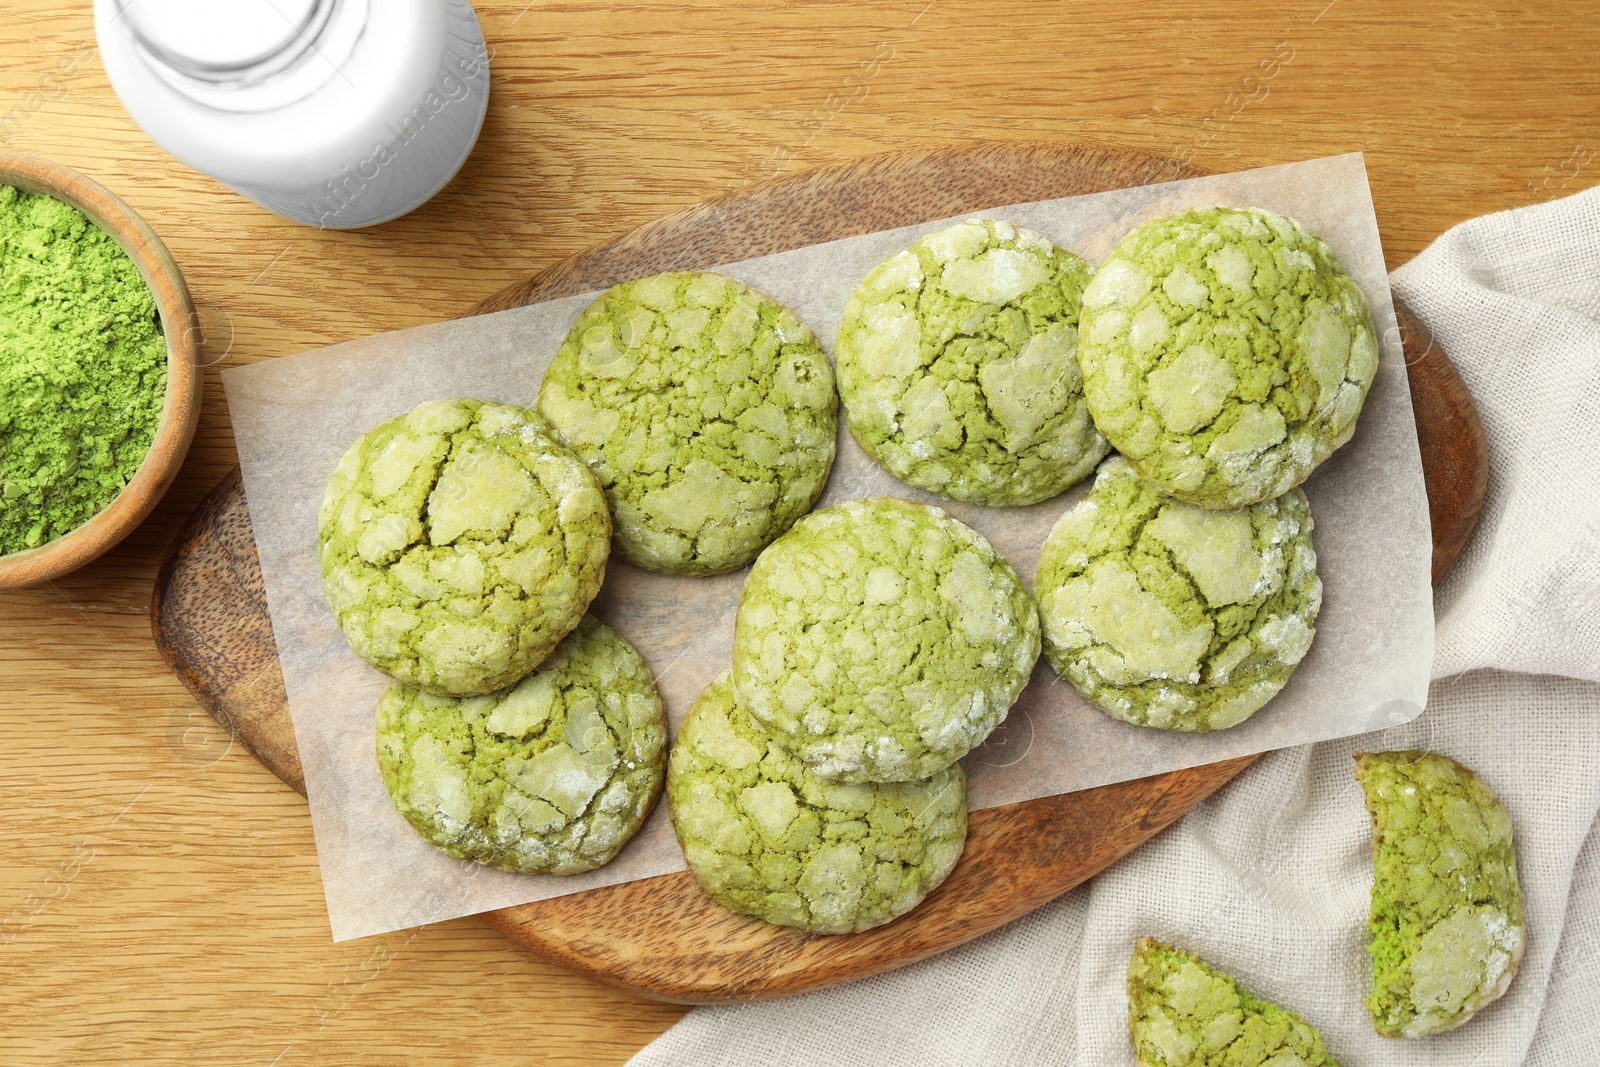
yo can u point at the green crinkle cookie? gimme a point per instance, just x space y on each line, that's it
880 640
1165 614
1447 928
959 370
1185 1013
768 838
706 409
552 775
1225 353
460 543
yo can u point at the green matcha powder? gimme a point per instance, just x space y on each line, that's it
83 369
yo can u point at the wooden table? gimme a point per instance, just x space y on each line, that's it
159 896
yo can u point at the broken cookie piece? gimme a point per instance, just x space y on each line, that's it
1182 1012
1447 925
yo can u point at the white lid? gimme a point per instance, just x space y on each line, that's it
217 36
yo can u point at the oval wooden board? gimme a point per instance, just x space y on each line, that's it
663 937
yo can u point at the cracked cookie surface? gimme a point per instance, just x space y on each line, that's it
551 775
880 640
1165 614
1183 1012
1447 924
766 837
958 366
459 544
1226 353
706 409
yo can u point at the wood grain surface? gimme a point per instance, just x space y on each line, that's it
159 897
663 937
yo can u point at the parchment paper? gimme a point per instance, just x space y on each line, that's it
294 416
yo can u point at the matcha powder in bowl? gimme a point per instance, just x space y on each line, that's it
83 369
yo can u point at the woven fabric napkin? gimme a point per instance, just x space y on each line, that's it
1269 878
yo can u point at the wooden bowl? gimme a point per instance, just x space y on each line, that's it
182 408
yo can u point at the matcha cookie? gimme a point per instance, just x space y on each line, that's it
880 640
959 370
459 544
552 775
1165 614
1225 353
706 409
1447 929
1185 1013
768 838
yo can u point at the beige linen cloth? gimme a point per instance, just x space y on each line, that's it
1269 878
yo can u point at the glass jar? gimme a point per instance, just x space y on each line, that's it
334 113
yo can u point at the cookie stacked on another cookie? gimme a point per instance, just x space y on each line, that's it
460 547
459 544
768 837
880 640
816 784
553 774
1165 614
1225 353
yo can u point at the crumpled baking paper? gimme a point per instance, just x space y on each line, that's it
295 416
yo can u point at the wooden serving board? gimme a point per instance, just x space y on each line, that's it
663 937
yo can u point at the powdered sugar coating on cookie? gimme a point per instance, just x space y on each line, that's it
1225 353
